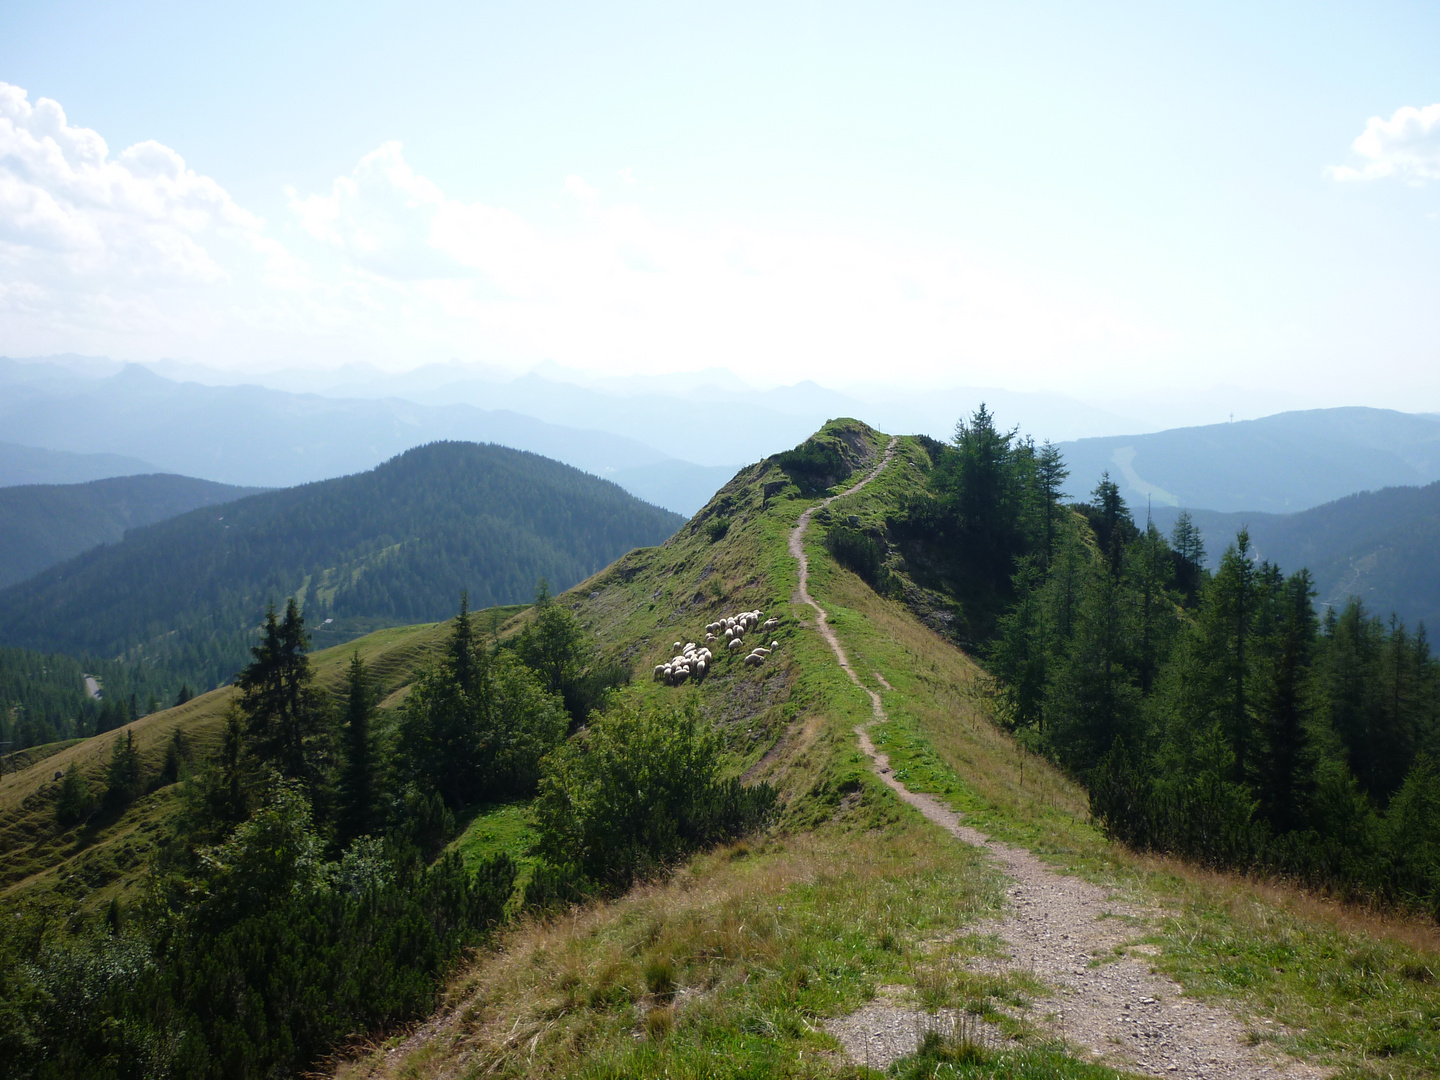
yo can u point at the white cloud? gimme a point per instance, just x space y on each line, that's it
1405 147
136 255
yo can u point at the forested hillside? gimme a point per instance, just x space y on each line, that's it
1379 546
392 546
44 697
43 524
1218 716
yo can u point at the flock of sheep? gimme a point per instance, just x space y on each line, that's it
692 662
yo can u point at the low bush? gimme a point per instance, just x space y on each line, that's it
638 790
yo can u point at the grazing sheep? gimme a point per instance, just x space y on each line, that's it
729 633
689 646
709 638
754 660
774 644
758 651
735 643
770 624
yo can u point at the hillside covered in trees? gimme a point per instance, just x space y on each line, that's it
1214 715
1379 546
392 546
43 524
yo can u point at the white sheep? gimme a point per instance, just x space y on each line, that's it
758 651
774 644
754 659
770 624
729 634
735 643
709 638
659 672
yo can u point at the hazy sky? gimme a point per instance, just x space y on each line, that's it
1097 199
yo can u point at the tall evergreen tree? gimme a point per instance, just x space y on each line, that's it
1050 475
1285 766
357 780
287 716
1226 626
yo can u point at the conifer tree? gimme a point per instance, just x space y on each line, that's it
286 715
1050 474
122 775
1285 766
1226 625
357 781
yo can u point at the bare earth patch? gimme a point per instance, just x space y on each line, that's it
1071 936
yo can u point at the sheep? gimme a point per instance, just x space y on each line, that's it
774 644
754 660
729 634
735 643
677 646
770 624
689 646
758 651
709 638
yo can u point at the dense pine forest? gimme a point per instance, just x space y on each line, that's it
393 546
43 697
1214 715
43 524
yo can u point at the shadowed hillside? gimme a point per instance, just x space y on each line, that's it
43 524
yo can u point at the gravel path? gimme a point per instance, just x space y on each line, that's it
1117 1012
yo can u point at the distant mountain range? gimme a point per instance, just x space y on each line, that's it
251 436
32 465
44 524
1282 463
394 545
1382 546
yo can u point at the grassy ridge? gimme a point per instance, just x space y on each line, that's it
732 966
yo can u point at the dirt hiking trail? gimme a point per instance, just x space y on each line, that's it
1119 1013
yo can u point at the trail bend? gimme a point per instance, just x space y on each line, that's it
1118 1013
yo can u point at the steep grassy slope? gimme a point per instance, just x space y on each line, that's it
43 524
743 961
83 867
392 546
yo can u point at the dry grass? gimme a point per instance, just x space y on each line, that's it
747 944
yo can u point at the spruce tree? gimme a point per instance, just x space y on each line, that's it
357 780
286 716
1226 623
1285 765
1050 474
123 780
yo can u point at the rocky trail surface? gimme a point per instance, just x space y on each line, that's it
1071 936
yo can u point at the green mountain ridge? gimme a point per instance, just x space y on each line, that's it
45 524
392 546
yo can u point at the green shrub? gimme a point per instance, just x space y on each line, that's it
638 790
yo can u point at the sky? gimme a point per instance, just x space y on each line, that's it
1107 200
